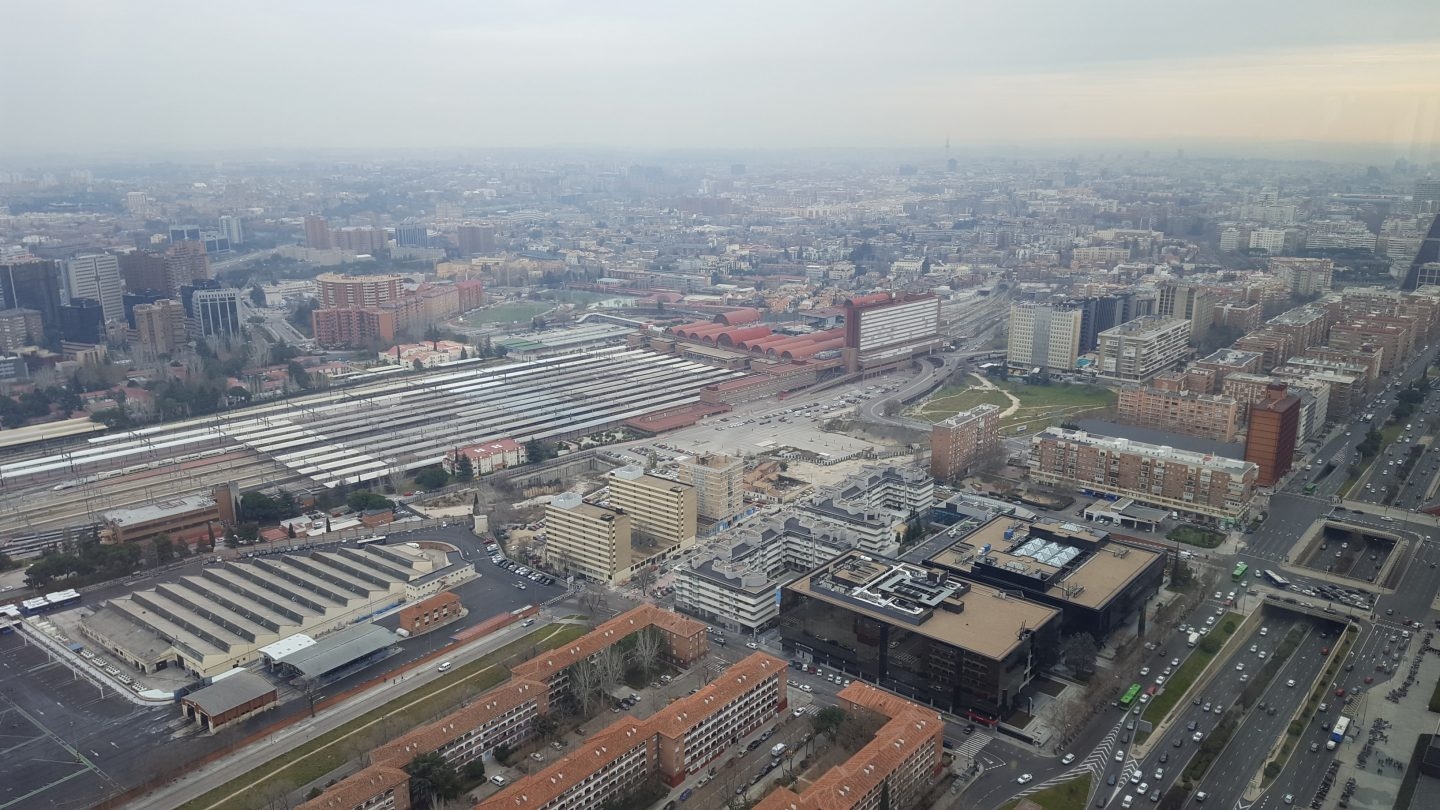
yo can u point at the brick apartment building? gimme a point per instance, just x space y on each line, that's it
894 769
506 715
1199 486
1274 429
958 443
1206 416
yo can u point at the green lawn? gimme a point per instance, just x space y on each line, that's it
953 399
1191 669
1041 406
323 754
1064 796
522 311
1196 536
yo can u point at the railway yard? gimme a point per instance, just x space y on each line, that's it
362 433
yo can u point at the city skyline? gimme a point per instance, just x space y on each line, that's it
650 76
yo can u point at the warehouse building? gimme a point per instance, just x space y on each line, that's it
224 615
233 696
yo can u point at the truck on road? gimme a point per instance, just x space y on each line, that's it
1192 640
777 749
1337 732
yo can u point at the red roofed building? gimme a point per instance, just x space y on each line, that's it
374 788
487 457
905 755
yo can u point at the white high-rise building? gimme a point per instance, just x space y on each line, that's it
96 276
231 228
1043 337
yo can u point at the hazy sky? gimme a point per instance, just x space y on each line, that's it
127 76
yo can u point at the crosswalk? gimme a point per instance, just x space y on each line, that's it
973 745
1094 763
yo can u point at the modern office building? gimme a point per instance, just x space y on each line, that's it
1043 338
317 233
233 229
894 769
919 631
1095 582
719 483
1190 302
1425 267
97 276
82 321
588 540
412 235
1140 349
1274 430
959 443
217 312
662 512
143 270
32 284
1197 486
882 330
1207 416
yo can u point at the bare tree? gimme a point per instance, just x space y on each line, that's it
646 654
610 667
584 686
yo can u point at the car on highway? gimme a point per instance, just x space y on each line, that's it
1024 778
1067 759
1240 666
1197 736
1264 631
1290 683
444 666
1119 756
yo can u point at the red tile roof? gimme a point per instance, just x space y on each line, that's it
544 666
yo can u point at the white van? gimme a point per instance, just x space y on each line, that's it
1127 801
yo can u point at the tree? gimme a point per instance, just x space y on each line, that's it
298 375
1078 652
432 478
364 500
431 779
474 770
537 451
646 653
464 468
257 296
584 686
502 753
828 721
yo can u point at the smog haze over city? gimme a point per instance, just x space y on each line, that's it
183 78
697 406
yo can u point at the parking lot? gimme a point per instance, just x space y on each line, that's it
68 742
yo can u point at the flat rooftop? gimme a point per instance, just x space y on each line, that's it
1091 576
990 624
159 510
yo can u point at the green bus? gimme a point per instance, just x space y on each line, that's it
1309 489
1239 573
1130 695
